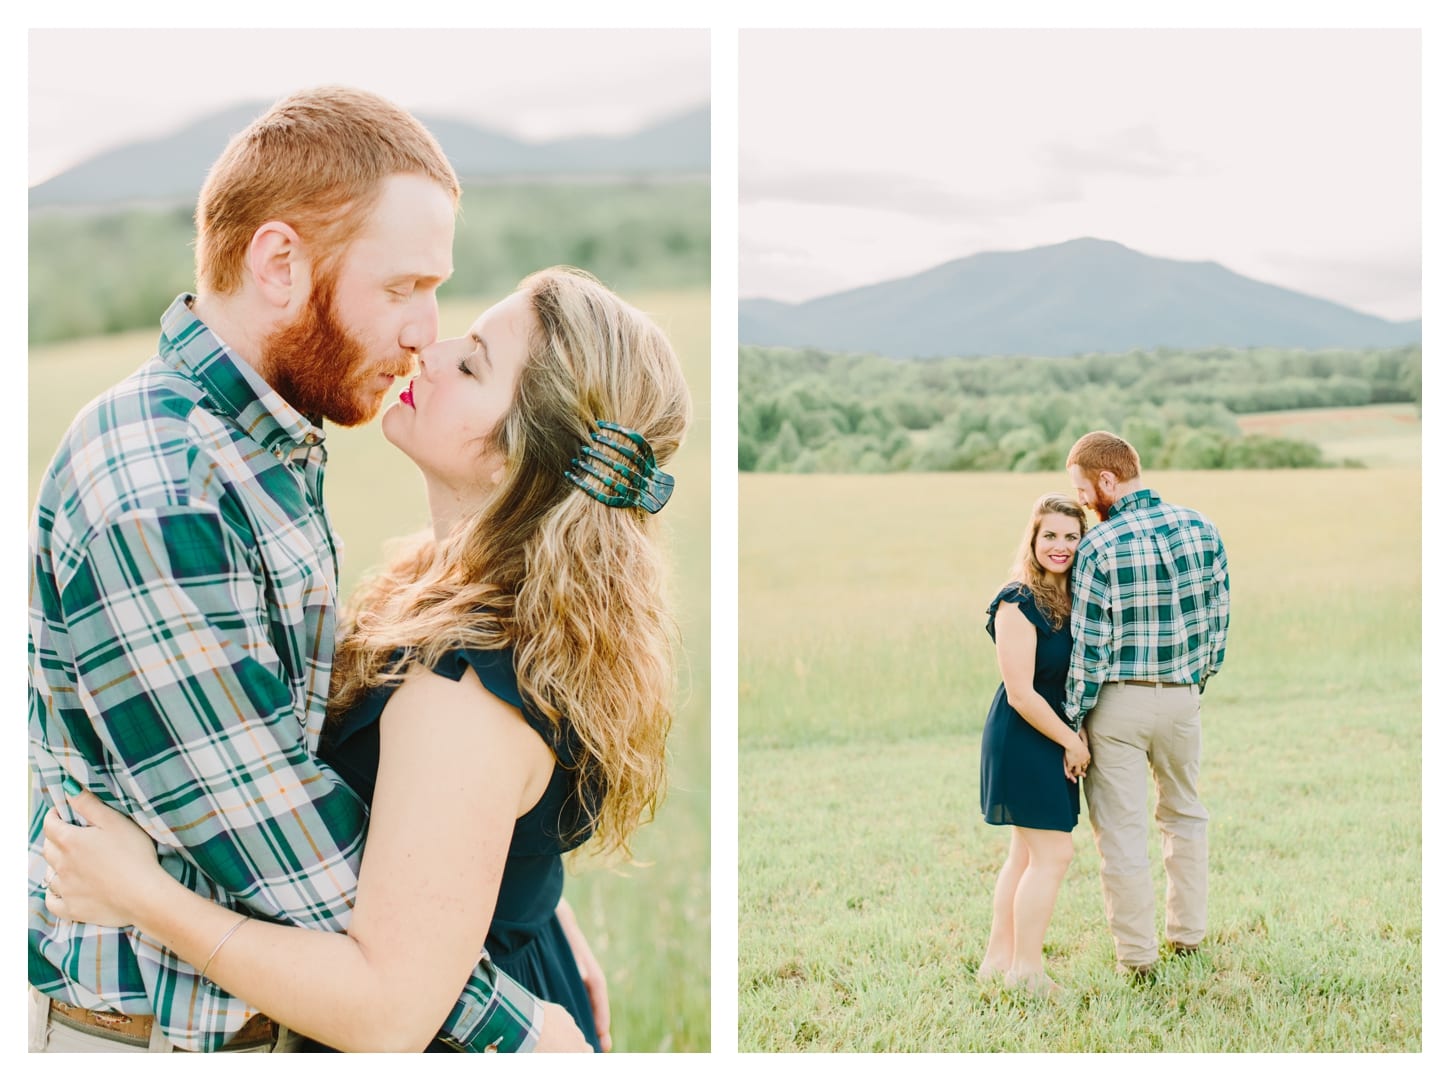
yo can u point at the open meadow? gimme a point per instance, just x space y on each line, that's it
1386 434
649 924
866 871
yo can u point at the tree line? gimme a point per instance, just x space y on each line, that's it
108 271
807 411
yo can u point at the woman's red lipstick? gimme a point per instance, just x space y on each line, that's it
407 396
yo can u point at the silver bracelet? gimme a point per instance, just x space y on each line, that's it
218 947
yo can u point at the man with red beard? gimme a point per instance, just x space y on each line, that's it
1150 613
183 587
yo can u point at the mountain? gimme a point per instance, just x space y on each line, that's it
677 145
172 168
1081 296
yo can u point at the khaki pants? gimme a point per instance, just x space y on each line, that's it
1130 731
48 1033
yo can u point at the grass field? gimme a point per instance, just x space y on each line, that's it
1374 435
865 870
649 924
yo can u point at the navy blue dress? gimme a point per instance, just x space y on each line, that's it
525 939
1022 779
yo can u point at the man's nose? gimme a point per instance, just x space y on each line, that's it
421 328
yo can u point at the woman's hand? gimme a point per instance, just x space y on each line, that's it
1075 756
589 970
97 871
560 1033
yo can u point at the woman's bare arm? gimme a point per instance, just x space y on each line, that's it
1017 658
457 768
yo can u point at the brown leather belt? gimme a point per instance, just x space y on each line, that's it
135 1029
1151 683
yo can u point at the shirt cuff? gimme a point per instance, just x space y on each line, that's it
536 1026
514 1018
510 1020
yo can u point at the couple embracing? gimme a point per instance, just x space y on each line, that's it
1106 638
261 822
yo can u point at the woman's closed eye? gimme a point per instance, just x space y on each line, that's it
472 361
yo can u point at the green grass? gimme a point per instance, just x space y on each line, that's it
865 870
649 925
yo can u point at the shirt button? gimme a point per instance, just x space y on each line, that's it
280 453
311 439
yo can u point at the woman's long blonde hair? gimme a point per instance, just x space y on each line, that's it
1054 600
577 588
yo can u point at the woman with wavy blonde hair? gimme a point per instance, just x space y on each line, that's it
1031 758
501 692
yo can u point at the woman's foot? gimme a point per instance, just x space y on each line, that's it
1038 983
987 972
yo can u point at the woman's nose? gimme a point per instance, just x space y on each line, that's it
428 358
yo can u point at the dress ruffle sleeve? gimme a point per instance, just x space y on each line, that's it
1018 594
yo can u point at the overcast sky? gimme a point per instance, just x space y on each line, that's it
91 90
1289 156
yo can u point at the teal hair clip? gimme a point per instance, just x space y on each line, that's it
629 477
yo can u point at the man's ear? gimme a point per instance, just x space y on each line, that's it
277 265
1108 481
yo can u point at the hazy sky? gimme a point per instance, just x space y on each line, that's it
91 90
1289 156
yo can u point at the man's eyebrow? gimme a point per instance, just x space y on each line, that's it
424 280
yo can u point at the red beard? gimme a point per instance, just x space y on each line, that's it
321 369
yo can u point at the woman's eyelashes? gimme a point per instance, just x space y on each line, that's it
472 361
464 362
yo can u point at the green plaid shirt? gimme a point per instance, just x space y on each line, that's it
1149 600
183 591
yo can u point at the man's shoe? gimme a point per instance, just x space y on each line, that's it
1182 949
1136 973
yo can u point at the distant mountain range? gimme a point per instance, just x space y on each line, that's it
1081 296
172 168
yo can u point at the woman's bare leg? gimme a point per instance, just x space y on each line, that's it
1049 852
998 959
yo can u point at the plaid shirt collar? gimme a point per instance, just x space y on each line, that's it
1143 497
235 389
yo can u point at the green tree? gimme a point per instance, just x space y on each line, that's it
787 445
747 453
1194 448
